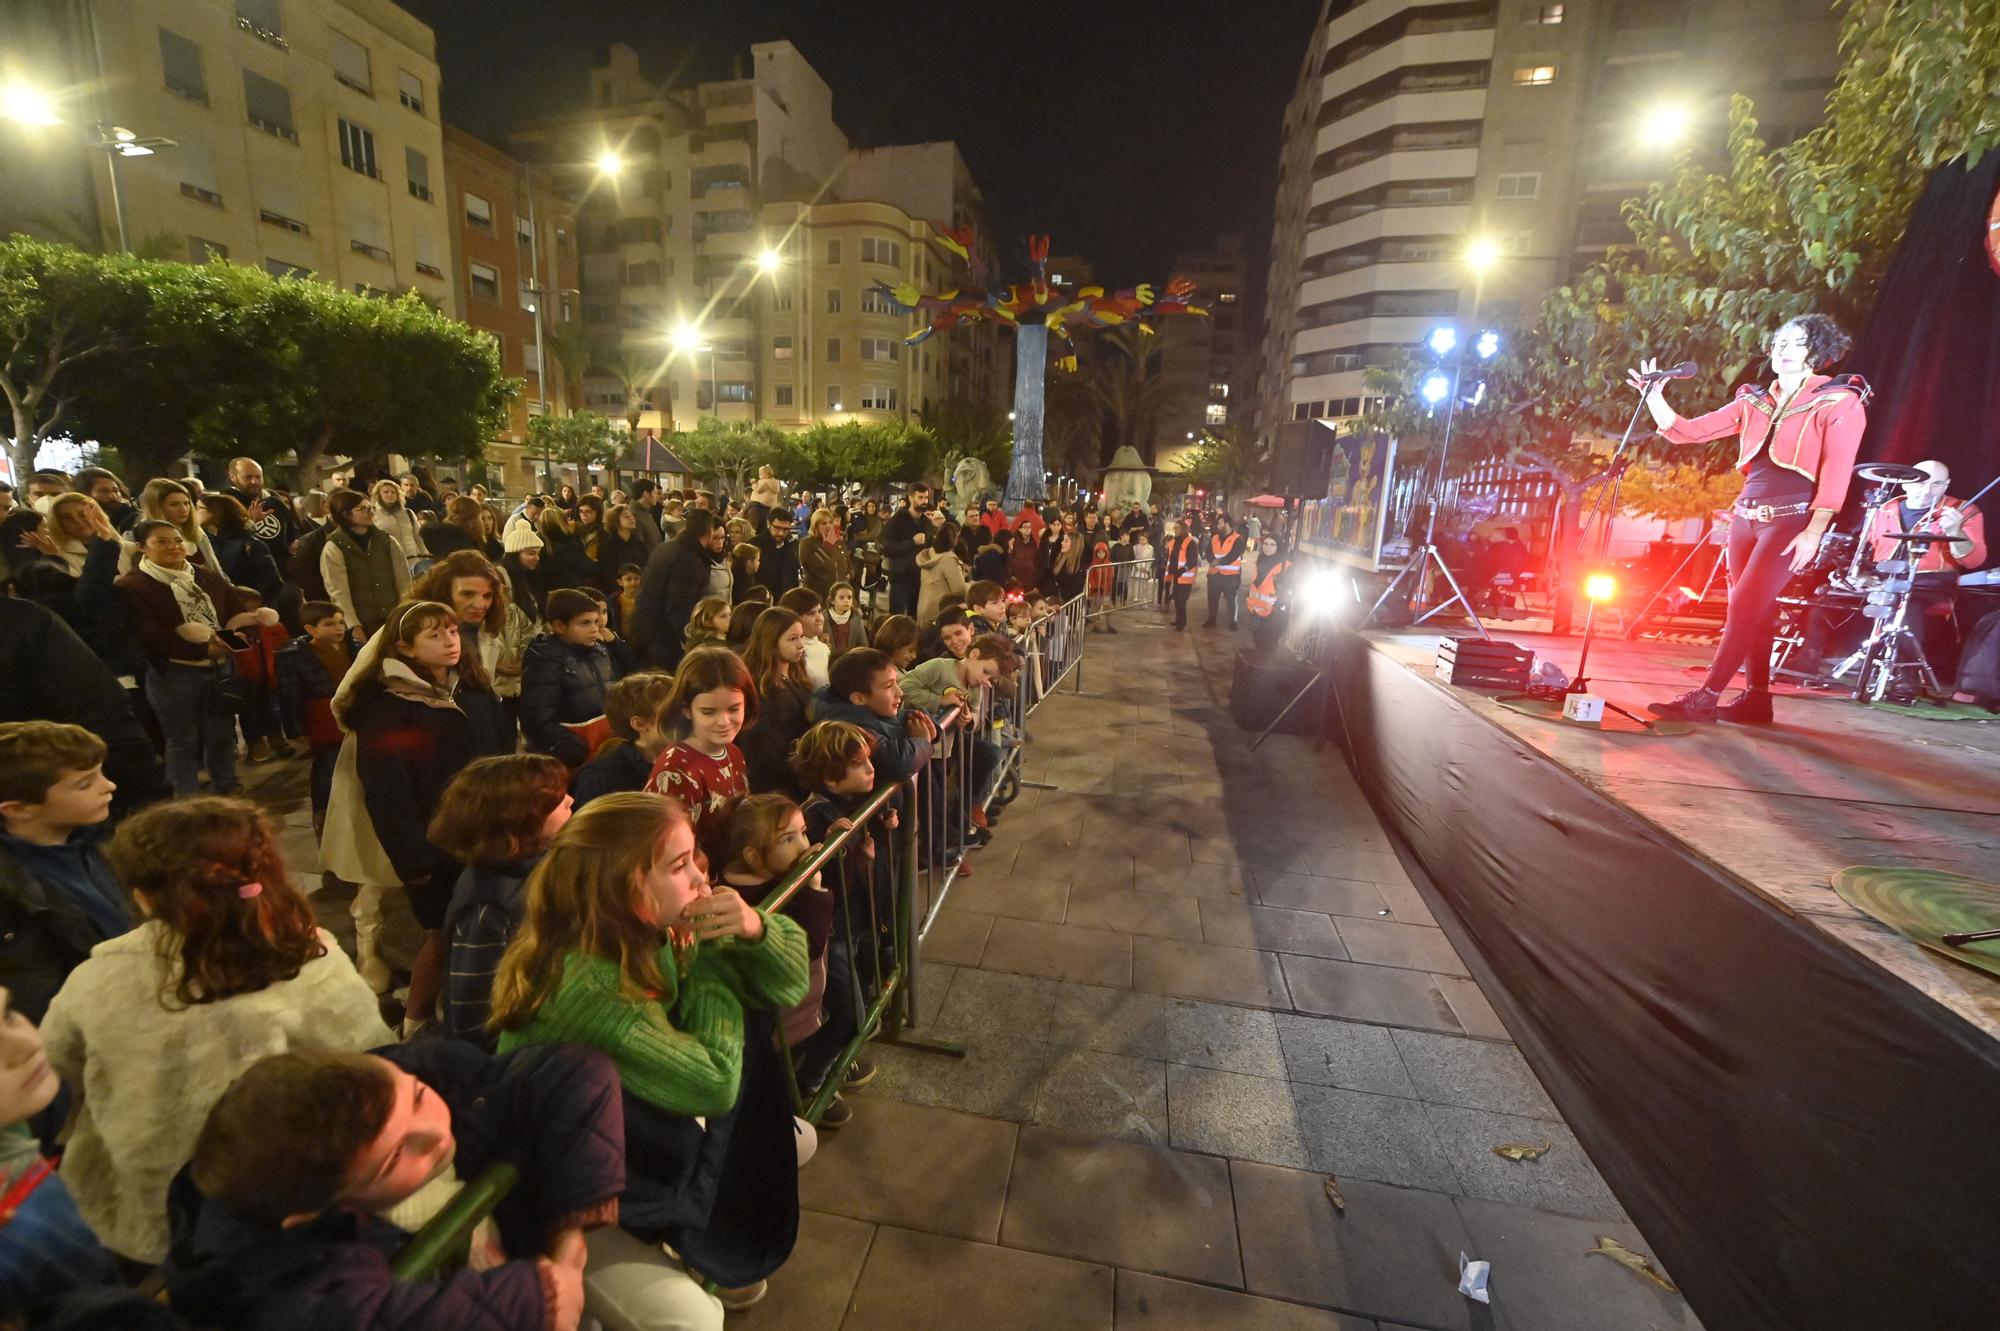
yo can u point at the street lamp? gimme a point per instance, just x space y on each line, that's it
609 163
769 261
1666 124
1482 254
29 106
687 339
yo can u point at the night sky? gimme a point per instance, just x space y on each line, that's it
1130 131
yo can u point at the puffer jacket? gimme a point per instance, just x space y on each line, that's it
562 683
364 580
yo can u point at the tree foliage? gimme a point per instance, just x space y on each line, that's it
1677 490
582 439
1220 462
965 430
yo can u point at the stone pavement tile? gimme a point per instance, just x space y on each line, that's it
1255 848
1142 1207
1322 1051
957 936
1110 1095
1369 993
987 1002
1414 947
1379 1137
1393 1253
1219 882
810 1292
1021 896
1331 896
921 1282
933 983
1469 1005
1093 866
1203 970
1564 1180
998 1076
1152 841
1059 952
1178 1030
1134 912
1226 1113
1154 1303
1477 1074
1542 1281
913 1165
1240 924
1406 903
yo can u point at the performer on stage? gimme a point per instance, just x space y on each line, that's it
1797 443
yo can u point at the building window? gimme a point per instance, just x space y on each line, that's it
881 251
263 19
523 232
269 105
781 348
418 168
1217 413
1545 16
879 348
1534 76
410 90
1427 194
180 60
350 64
357 149
833 300
833 351
781 302
833 402
1300 411
728 391
1518 185
479 213
781 395
1218 391
645 274
485 281
201 251
877 301
1225 297
279 268
833 251
878 398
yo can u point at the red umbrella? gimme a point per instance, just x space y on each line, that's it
1265 501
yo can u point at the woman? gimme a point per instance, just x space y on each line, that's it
1067 558
941 571
394 516
989 561
620 545
564 564
476 591
524 612
463 527
71 528
1797 441
866 526
566 499
823 558
1024 561
241 557
590 527
169 501
178 611
364 569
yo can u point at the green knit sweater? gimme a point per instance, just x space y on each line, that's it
681 1050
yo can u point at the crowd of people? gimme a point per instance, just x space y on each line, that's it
585 737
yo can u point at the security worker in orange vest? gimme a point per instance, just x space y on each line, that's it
1225 569
1177 565
1269 600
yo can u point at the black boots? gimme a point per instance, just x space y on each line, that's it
1694 705
1752 707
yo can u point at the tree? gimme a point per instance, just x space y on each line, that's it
871 453
568 346
1674 491
61 311
729 453
1219 462
964 430
638 373
1119 386
582 439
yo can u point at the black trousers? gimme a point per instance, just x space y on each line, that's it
1223 587
903 593
1180 591
1759 568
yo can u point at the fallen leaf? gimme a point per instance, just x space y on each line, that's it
1618 1252
1520 1152
1333 1195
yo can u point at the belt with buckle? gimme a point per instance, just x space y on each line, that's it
1770 512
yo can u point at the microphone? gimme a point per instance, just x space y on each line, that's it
1687 369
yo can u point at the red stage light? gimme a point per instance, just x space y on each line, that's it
1600 586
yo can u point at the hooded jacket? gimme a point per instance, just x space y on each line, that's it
897 753
561 682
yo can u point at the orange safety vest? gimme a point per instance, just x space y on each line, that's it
1263 598
1231 568
1183 561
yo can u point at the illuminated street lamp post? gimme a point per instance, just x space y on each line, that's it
26 106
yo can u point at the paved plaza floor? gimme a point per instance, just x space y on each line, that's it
1193 983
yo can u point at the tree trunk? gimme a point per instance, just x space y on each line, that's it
309 456
1567 549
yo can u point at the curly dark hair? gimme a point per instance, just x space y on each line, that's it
1826 341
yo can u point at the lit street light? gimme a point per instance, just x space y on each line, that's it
1482 254
1666 125
28 106
609 163
769 261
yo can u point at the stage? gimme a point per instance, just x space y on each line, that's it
1793 1102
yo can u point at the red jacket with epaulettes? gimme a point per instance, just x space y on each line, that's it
1818 435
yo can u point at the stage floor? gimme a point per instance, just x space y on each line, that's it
1781 808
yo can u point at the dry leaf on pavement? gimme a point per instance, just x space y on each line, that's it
1333 1195
1638 1261
1520 1152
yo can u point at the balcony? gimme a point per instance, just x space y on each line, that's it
1384 220
273 128
1344 28
1407 329
282 222
262 33
420 191
430 270
1403 108
1435 48
1400 165
375 252
1422 275
200 195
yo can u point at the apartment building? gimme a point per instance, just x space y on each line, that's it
1420 126
304 134
514 272
1198 357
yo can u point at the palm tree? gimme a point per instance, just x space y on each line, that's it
1121 374
639 373
569 346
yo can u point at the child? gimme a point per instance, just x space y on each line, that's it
776 661
624 761
310 669
563 679
59 897
713 699
832 762
312 1169
744 561
624 656
1141 575
949 638
626 949
256 665
988 602
228 967
866 691
936 685
842 629
897 637
804 602
764 836
496 818
744 618
626 603
709 623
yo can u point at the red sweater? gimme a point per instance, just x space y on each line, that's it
702 783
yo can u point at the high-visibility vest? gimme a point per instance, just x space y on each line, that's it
1263 597
1183 561
1228 566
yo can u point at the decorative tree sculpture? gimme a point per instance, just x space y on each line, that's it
1037 308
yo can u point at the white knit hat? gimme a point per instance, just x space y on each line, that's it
521 536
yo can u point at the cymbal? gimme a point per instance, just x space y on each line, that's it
1889 473
1915 536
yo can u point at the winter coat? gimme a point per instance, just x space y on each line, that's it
675 578
943 575
305 569
899 542
438 539
562 683
247 562
90 604
565 564
155 614
364 581
48 673
271 521
614 552
147 1074
990 564
56 904
897 754
403 523
782 717
305 691
1024 563
821 565
618 766
777 565
554 1114
485 910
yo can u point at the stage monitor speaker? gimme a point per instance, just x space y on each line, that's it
1302 459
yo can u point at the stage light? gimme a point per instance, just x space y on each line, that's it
1442 340
1436 387
1600 587
1488 345
609 163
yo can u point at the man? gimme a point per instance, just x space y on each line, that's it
271 518
991 520
336 481
675 577
45 485
646 508
1178 560
415 497
777 554
6 499
529 511
903 535
1225 569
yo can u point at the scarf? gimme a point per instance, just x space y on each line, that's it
194 604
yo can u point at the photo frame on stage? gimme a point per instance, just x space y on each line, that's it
1350 525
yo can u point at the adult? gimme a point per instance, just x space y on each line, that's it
1067 556
589 524
1225 570
823 557
566 498
178 612
363 569
399 520
528 513
777 554
104 487
621 544
270 516
942 573
1178 560
69 526
461 525
87 601
674 579
903 536
992 520
564 563
240 556
524 618
1269 601
865 526
415 496
48 673
646 500
165 500
1797 439
476 591
767 490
